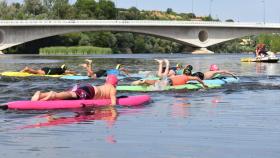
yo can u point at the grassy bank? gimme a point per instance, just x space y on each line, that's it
79 50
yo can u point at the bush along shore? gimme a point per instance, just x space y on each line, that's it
79 50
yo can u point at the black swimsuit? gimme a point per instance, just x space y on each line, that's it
84 91
101 73
53 71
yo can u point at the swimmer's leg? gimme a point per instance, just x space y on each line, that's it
59 95
167 68
32 71
36 96
89 69
159 73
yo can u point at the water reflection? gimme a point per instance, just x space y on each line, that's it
180 107
271 69
216 100
260 68
267 68
108 114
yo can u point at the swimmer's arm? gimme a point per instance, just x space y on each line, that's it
126 72
70 72
94 77
227 73
113 97
199 80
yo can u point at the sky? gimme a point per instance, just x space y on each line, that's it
238 10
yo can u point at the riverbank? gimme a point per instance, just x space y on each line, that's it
79 50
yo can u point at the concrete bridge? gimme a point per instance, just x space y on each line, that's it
198 34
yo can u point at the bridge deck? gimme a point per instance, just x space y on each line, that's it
135 23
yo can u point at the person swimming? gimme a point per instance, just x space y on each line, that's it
49 70
119 70
175 80
214 72
178 70
82 92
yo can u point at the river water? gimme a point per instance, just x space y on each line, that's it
237 120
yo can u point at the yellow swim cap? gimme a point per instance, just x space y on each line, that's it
63 66
118 66
179 65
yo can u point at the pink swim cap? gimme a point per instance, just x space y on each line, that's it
112 79
214 67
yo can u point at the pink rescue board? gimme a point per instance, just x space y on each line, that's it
70 104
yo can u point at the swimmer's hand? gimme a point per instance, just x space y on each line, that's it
205 86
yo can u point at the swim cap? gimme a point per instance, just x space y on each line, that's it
118 66
214 67
112 79
64 67
179 65
189 67
199 75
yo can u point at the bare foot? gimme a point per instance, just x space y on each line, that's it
83 65
139 82
135 83
166 61
159 61
25 69
50 96
36 96
88 61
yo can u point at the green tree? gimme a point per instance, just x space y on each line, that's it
275 43
105 10
61 9
124 40
169 11
139 46
103 39
34 7
3 9
85 40
85 9
132 14
265 39
229 20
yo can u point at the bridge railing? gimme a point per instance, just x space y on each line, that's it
133 23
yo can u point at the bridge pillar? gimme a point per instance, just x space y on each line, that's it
202 51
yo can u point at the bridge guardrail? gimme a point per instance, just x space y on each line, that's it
134 23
